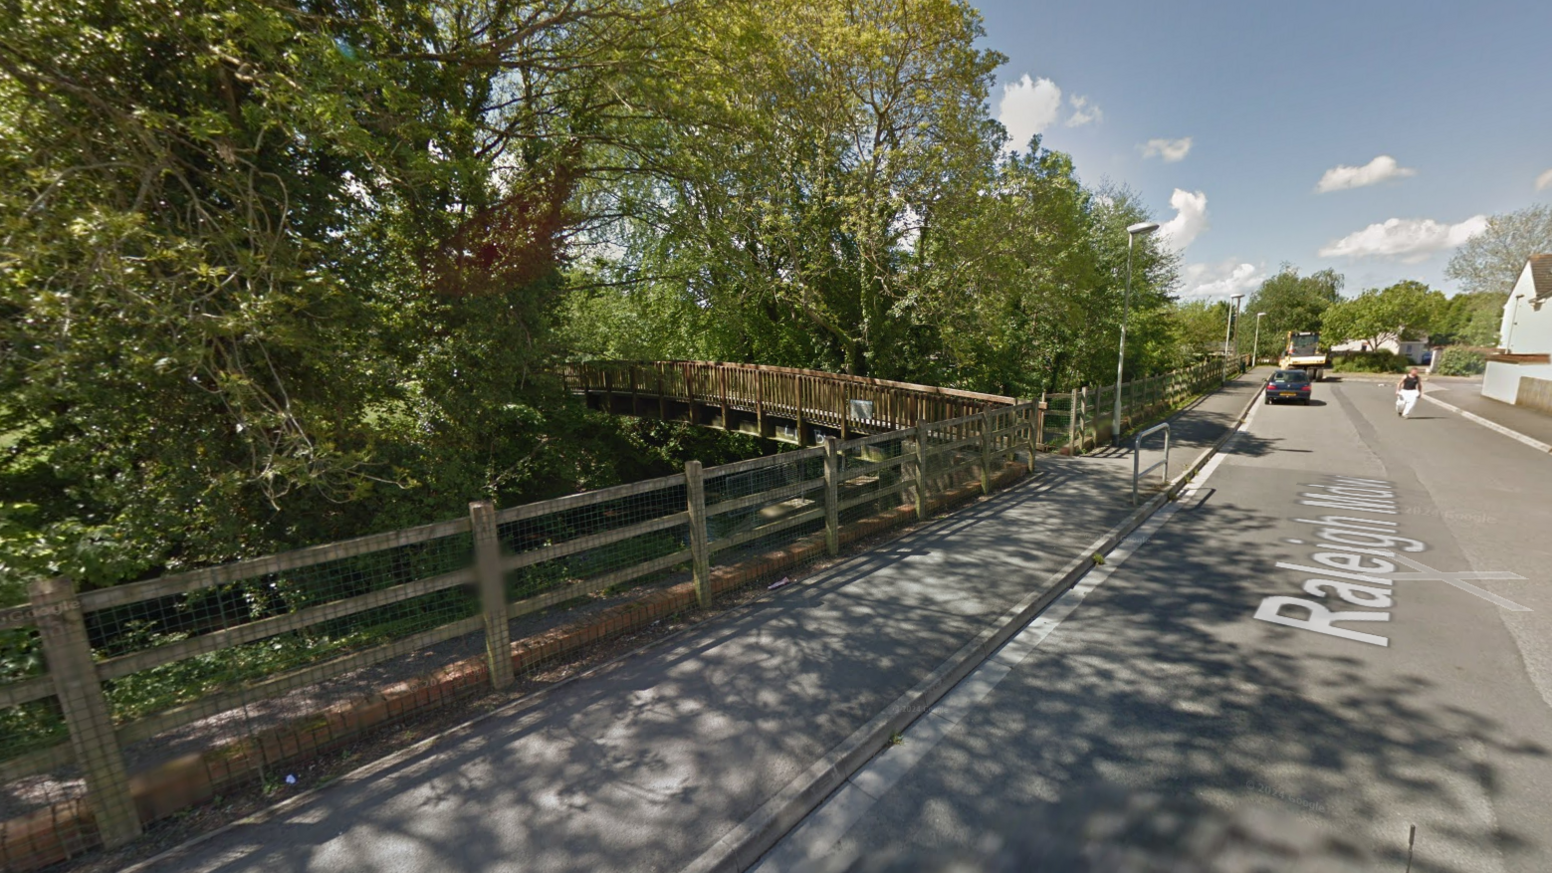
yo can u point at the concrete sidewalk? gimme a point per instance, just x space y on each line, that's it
648 762
1466 394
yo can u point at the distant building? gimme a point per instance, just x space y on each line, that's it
1521 372
1415 351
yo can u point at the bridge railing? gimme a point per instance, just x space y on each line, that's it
123 705
812 398
1076 421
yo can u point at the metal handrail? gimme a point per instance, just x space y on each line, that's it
1137 457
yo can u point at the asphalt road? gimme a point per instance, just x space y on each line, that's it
1150 721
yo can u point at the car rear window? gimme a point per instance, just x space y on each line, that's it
1290 376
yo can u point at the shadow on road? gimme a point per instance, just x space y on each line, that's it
1160 734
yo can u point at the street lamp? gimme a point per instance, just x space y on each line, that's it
1228 329
1142 228
1255 347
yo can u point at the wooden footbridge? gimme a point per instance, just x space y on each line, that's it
779 403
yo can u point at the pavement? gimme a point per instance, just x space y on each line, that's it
647 763
1156 718
1466 394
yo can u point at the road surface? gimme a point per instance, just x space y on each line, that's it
1159 718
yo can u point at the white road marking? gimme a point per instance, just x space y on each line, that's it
808 847
1426 573
1492 425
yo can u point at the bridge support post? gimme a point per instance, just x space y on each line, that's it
700 555
68 653
832 475
662 399
493 592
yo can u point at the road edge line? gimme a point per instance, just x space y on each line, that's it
1492 425
743 846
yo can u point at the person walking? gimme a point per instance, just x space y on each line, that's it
1407 391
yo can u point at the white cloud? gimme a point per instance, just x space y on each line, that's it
1544 181
1407 239
1083 113
1216 281
1171 150
1028 107
1382 168
1190 218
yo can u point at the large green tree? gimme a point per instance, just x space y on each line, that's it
809 151
1407 310
265 255
1292 303
1491 261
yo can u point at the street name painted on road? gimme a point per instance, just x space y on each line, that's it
1358 561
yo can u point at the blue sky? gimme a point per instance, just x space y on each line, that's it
1369 136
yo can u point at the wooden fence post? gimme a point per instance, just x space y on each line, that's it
921 470
68 654
832 475
695 490
493 592
986 452
799 380
1072 422
1037 438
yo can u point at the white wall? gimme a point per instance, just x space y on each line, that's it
1526 328
1502 381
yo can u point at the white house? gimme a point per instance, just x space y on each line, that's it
1522 372
1412 350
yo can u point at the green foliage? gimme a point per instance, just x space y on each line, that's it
1460 362
1291 303
275 277
1203 325
1371 362
1491 262
873 229
1471 319
1404 311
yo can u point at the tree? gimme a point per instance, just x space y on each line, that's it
1202 324
1471 320
1404 311
807 154
1291 303
1492 261
257 255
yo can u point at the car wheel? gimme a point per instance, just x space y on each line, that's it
1305 401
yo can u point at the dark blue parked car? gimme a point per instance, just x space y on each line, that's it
1293 385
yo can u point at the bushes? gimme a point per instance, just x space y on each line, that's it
1460 362
1371 362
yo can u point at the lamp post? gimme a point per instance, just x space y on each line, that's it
1228 330
1255 347
1142 228
1514 318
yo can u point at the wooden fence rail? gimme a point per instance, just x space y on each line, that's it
907 443
705 512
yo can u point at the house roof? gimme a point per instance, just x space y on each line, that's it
1541 276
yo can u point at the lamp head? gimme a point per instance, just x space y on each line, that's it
1142 227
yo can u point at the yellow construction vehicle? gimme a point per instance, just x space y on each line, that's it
1303 352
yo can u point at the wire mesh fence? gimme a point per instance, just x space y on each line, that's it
193 682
